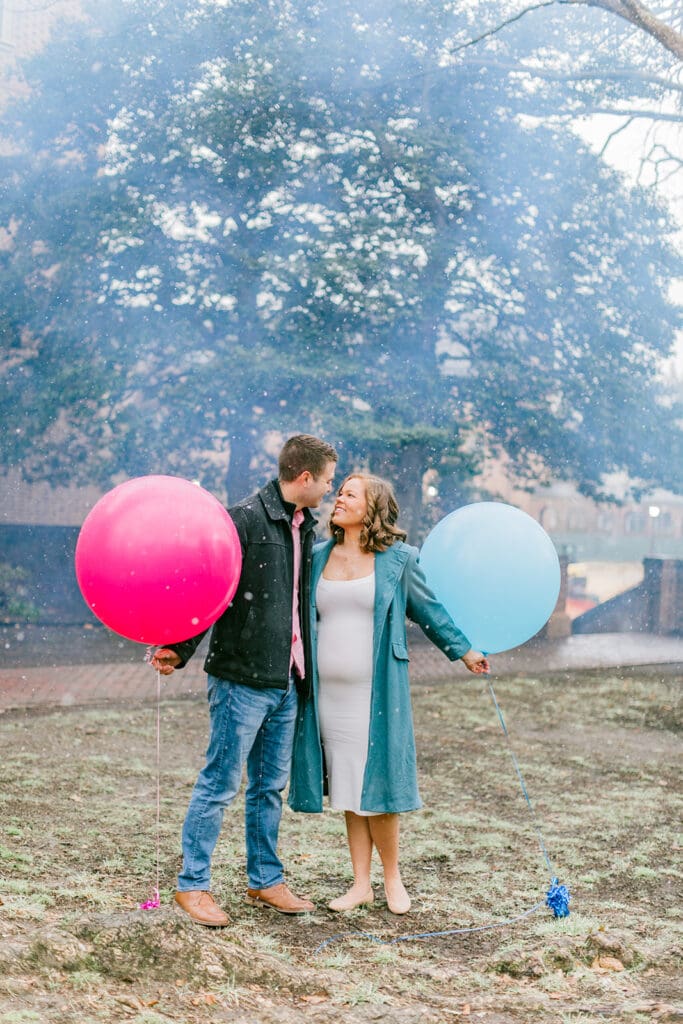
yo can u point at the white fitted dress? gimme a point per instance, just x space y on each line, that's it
345 636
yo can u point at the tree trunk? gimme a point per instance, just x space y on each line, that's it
404 468
238 479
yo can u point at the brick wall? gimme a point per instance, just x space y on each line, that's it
654 606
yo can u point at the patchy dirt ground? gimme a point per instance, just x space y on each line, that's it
600 754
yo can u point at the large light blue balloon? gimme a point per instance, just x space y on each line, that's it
496 571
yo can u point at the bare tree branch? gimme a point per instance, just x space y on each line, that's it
504 24
631 11
658 115
638 14
617 75
652 161
613 135
662 161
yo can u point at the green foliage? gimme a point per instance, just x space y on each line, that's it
14 604
229 222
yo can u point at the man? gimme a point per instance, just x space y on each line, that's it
257 658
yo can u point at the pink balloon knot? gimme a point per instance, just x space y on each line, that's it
151 904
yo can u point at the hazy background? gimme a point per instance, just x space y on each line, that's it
446 237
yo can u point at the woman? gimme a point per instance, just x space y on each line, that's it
364 583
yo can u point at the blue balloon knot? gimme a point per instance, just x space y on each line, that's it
558 899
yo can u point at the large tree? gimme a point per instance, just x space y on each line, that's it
245 219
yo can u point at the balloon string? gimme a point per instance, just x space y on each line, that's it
156 901
428 935
558 896
534 819
158 767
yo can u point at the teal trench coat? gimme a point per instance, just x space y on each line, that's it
390 780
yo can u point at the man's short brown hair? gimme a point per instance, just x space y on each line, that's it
304 452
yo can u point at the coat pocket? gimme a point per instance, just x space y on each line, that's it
249 626
400 650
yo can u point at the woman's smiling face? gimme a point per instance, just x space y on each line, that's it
351 505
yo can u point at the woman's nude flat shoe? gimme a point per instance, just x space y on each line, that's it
346 902
399 905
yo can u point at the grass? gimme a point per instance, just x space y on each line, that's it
599 755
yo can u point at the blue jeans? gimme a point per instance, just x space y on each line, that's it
256 726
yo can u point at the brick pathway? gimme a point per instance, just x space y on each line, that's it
121 682
67 685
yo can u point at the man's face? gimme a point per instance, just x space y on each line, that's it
318 486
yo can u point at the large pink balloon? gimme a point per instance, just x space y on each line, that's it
158 559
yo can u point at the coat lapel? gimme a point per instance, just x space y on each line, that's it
388 568
321 552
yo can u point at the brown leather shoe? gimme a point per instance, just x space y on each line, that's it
280 898
202 908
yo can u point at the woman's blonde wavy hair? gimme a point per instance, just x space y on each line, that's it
378 531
